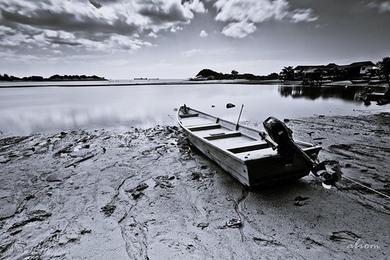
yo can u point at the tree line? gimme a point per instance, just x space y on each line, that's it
6 77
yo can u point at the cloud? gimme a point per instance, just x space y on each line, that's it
303 15
95 3
381 7
203 34
61 39
152 35
239 29
4 30
196 5
91 24
191 53
384 7
256 11
160 12
243 15
176 28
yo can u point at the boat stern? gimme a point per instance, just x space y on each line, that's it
277 169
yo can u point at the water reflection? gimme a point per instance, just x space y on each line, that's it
314 92
46 109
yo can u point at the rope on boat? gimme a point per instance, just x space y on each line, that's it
365 186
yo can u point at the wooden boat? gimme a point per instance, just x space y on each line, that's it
360 81
375 96
249 155
382 97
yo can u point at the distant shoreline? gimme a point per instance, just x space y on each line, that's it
54 78
124 83
143 83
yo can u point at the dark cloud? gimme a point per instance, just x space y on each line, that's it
169 13
71 22
64 42
381 6
95 3
91 23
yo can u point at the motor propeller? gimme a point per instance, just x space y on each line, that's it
282 135
328 177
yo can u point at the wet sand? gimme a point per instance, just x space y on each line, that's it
147 194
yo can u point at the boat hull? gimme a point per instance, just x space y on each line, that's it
278 169
235 167
260 172
243 152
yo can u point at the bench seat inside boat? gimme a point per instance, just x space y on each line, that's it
244 147
236 142
195 121
222 135
213 132
205 127
256 154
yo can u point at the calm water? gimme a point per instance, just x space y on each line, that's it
47 109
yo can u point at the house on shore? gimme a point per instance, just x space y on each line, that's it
332 71
315 71
359 69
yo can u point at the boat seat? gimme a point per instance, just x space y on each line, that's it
189 115
223 135
204 127
256 154
248 148
211 132
195 121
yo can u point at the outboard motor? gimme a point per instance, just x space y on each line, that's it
282 135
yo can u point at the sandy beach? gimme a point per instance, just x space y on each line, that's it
148 194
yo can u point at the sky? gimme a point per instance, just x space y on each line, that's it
123 39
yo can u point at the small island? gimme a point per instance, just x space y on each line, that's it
56 77
208 74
